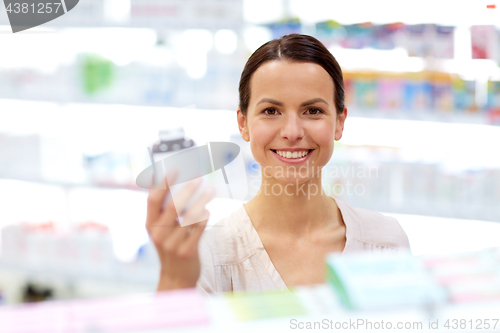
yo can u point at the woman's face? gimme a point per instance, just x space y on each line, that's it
291 108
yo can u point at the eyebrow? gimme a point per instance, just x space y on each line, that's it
309 102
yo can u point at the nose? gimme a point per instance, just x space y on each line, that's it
293 128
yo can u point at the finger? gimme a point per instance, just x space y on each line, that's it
179 234
167 223
196 213
156 198
173 242
189 247
181 199
194 221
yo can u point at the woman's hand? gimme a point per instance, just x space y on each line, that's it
177 246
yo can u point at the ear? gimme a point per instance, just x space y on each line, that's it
243 126
340 125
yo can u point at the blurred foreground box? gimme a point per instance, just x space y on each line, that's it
424 294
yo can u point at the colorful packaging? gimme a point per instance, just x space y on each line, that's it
248 306
330 32
365 91
385 36
417 92
390 92
498 47
493 94
443 45
419 39
494 116
468 277
98 74
358 36
285 27
382 280
442 94
349 78
484 42
464 95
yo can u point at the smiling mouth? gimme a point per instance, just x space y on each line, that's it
275 151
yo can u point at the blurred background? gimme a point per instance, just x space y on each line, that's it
81 98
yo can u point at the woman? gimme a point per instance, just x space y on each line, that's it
291 111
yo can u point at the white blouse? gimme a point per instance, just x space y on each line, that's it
233 258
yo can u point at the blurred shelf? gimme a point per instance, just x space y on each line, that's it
221 14
454 147
70 185
126 273
307 307
397 60
434 116
445 12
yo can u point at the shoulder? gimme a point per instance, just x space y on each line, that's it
372 227
228 239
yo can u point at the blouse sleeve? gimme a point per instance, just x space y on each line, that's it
403 242
206 281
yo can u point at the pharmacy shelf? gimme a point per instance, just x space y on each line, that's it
456 146
433 116
308 307
14 280
444 12
397 60
124 273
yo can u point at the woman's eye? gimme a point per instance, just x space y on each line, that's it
315 111
270 111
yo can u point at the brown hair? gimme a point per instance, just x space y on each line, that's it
293 47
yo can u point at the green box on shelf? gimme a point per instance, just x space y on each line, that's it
266 304
365 281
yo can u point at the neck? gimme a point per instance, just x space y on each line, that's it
295 209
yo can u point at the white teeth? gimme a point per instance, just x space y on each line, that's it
289 154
